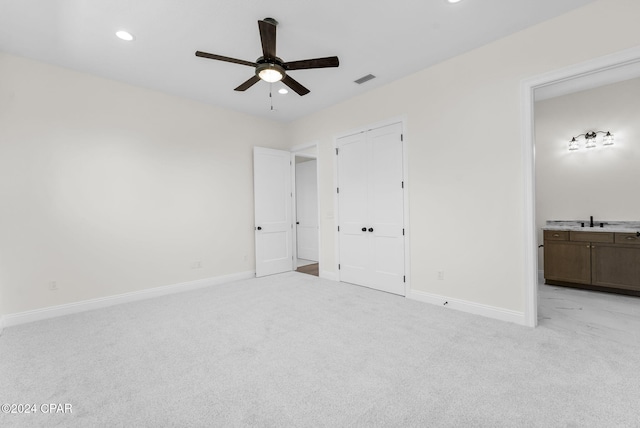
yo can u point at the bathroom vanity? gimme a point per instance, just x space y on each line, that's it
603 258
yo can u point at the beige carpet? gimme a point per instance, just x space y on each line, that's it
294 350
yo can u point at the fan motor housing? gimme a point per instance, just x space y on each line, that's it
270 64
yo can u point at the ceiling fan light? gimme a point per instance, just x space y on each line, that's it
270 75
270 72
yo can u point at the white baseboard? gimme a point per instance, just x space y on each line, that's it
470 307
103 302
328 275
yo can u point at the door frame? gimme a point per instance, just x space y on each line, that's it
528 87
405 177
296 151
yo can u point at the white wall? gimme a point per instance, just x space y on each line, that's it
603 181
465 155
108 188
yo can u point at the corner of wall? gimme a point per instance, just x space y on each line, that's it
332 276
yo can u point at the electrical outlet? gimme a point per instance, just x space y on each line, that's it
197 264
441 275
53 285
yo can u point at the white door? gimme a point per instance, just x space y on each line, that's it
386 209
353 212
307 210
371 209
272 198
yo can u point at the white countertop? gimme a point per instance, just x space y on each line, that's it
609 226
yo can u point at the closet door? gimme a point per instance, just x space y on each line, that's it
386 209
353 190
371 209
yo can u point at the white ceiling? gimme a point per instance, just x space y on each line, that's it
389 39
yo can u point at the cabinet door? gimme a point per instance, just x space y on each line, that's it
567 261
616 266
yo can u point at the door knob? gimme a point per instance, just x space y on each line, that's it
259 228
364 229
371 229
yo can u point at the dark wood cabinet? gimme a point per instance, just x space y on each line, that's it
604 261
567 261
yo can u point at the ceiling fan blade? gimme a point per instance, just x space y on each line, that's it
268 38
330 61
293 84
249 83
225 58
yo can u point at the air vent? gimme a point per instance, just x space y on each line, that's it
363 79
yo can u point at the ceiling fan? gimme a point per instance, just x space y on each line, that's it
269 67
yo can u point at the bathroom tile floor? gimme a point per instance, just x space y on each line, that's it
590 313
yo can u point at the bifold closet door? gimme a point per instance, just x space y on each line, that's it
371 209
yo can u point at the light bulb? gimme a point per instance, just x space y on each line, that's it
573 144
607 140
270 75
124 35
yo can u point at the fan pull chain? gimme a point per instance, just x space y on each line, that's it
270 95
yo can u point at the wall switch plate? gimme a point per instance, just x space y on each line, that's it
441 275
53 285
197 264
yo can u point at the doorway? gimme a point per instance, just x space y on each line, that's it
595 73
306 211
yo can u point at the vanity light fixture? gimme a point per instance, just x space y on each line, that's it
590 140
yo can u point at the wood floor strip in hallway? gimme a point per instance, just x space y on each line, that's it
312 269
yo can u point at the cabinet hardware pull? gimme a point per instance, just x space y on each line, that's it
631 238
371 229
556 235
589 246
364 229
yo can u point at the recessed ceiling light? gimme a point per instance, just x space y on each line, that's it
453 1
124 35
283 91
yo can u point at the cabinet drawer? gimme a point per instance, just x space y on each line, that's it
627 238
591 236
556 235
